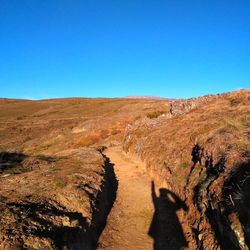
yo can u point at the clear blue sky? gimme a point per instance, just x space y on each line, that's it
112 48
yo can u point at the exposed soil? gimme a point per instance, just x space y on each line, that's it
58 192
143 216
129 220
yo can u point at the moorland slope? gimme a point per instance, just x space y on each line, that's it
180 182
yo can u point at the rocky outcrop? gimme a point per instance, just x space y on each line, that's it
182 106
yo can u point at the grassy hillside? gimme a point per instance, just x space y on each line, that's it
52 125
51 162
195 154
56 186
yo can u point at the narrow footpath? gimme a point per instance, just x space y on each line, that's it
130 218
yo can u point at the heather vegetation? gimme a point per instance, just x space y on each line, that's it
189 156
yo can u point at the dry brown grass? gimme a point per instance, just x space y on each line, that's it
156 114
71 129
49 126
222 128
221 125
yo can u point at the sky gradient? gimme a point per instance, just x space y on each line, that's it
97 48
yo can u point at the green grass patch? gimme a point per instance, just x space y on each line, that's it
184 165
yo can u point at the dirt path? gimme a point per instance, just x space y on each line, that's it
129 220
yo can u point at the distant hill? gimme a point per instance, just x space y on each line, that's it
149 97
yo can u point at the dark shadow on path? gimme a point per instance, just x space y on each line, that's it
165 227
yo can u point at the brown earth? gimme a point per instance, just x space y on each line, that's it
141 217
60 190
129 220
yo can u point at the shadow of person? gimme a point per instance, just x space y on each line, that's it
165 227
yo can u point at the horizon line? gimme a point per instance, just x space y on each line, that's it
152 97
